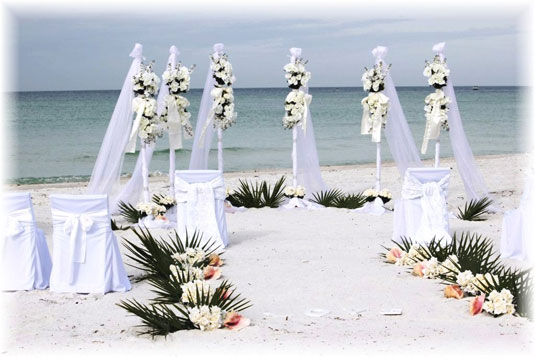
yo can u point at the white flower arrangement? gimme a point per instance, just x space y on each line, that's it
206 318
166 201
431 269
191 256
437 72
146 82
296 74
292 192
373 79
295 106
222 70
223 107
449 266
472 284
376 104
437 107
499 303
178 81
190 289
410 257
187 270
150 209
371 194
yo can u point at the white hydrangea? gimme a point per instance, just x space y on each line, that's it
189 290
206 318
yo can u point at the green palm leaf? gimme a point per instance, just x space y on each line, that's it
475 210
327 198
129 212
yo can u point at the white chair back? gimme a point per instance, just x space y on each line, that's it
84 245
200 196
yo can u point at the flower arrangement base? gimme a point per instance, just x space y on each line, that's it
295 202
374 208
151 222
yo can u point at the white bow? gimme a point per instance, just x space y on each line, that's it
434 219
439 49
15 221
77 226
379 52
189 192
295 53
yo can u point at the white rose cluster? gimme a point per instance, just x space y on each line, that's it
298 192
189 290
377 105
223 107
296 74
295 104
437 72
188 271
449 266
178 78
437 107
206 318
472 284
410 257
145 82
499 303
167 201
190 257
150 209
373 80
222 70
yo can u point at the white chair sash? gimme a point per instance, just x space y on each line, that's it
199 199
16 220
434 218
76 226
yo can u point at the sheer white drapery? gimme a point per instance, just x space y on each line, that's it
466 164
202 142
107 169
308 168
398 134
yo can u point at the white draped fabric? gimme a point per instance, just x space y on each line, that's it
466 164
398 134
107 170
202 140
308 168
86 254
518 228
25 261
200 196
421 214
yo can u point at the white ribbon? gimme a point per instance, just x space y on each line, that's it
199 199
308 100
77 226
16 220
174 123
131 146
432 125
434 220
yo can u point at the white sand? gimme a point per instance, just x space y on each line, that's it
287 262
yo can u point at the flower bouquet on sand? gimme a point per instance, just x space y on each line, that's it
384 194
183 272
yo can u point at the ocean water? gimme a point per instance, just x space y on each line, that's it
56 136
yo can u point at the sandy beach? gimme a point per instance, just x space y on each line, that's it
287 262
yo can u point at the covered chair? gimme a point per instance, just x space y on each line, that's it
200 197
86 255
26 261
421 214
518 229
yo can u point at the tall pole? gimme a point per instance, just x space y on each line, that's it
172 172
145 172
378 173
294 156
437 153
220 149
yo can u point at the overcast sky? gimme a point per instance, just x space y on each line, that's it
90 51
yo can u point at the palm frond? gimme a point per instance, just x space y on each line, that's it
116 227
159 320
350 201
258 194
129 212
273 196
475 210
327 198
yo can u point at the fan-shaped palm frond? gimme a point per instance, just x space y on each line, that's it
475 210
129 212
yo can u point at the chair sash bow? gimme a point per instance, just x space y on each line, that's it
16 220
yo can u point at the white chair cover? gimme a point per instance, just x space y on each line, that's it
518 233
421 214
26 261
200 197
86 255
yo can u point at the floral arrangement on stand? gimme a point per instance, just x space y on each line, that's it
178 82
375 104
371 194
223 105
437 103
145 87
298 191
151 209
297 101
470 268
164 200
183 272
